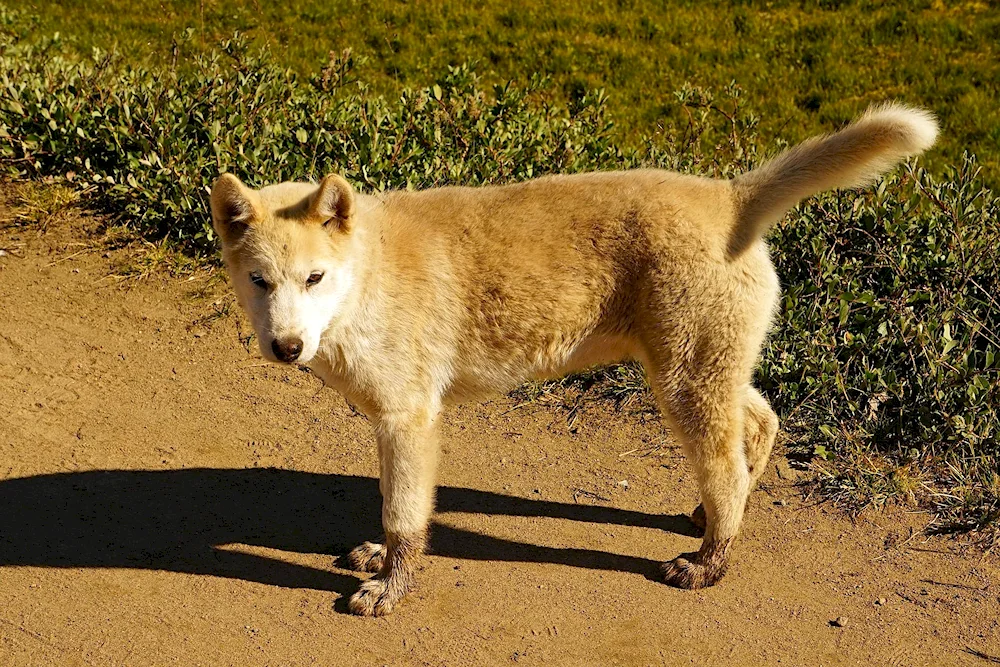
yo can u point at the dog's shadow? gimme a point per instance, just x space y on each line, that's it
177 520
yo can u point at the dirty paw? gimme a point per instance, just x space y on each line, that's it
376 597
688 574
369 557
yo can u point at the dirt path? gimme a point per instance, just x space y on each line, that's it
165 498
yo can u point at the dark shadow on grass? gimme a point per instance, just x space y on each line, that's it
176 520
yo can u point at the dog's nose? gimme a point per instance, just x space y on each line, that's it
287 350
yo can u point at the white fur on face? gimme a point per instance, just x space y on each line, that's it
289 308
295 311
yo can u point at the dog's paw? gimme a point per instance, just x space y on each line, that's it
698 517
691 575
369 557
376 597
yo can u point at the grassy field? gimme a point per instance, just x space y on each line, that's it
806 66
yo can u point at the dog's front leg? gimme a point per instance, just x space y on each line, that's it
408 451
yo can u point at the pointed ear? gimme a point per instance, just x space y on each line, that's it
232 207
333 203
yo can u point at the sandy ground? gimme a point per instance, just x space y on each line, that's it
167 498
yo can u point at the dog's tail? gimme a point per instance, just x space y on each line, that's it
852 157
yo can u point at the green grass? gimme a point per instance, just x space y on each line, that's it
808 66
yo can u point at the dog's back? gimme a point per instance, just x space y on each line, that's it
519 277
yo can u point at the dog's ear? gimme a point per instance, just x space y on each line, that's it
333 203
232 207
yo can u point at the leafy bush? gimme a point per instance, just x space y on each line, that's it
148 144
888 349
806 65
884 362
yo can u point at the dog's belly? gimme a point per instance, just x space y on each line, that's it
487 377
596 350
485 373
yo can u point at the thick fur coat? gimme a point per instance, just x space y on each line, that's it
408 301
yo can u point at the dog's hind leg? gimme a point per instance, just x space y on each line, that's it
709 423
408 451
699 378
760 428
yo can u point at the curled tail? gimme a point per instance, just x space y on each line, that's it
852 157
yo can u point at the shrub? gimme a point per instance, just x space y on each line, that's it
147 144
887 351
884 361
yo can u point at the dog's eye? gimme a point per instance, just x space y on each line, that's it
314 278
258 280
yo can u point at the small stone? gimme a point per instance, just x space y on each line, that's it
785 471
840 622
781 503
880 602
624 484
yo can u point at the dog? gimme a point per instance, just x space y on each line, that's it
406 301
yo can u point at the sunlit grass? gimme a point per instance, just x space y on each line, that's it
807 66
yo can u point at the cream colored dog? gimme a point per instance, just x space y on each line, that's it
407 301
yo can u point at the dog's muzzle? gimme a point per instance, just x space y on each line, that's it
287 350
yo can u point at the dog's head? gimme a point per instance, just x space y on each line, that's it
288 251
